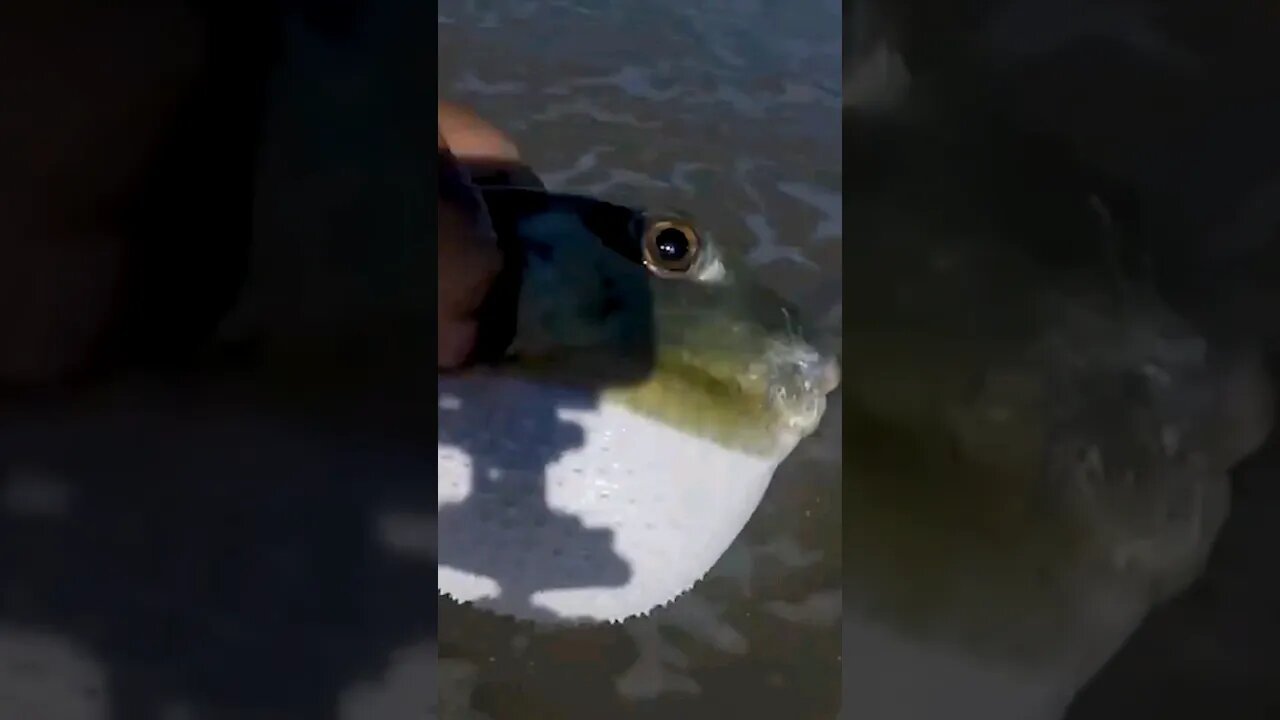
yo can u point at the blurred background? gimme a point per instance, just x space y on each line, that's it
999 123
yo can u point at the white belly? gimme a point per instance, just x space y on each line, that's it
553 507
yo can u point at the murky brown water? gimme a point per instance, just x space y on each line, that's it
729 110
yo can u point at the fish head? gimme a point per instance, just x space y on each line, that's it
660 323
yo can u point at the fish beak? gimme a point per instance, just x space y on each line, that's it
802 379
827 376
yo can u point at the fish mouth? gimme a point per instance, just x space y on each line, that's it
801 378
763 405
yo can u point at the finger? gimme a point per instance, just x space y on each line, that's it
454 342
459 197
475 262
471 139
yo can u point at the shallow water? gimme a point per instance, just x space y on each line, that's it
729 111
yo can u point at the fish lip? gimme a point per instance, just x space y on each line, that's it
803 377
828 375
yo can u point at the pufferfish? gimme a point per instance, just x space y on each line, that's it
633 397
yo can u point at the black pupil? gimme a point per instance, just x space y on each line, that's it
673 246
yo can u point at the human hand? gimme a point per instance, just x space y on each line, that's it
468 254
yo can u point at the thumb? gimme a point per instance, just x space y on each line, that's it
471 139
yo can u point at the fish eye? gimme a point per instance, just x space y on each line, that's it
670 247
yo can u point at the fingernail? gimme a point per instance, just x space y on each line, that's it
505 150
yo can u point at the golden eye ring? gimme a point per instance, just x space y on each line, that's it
671 247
